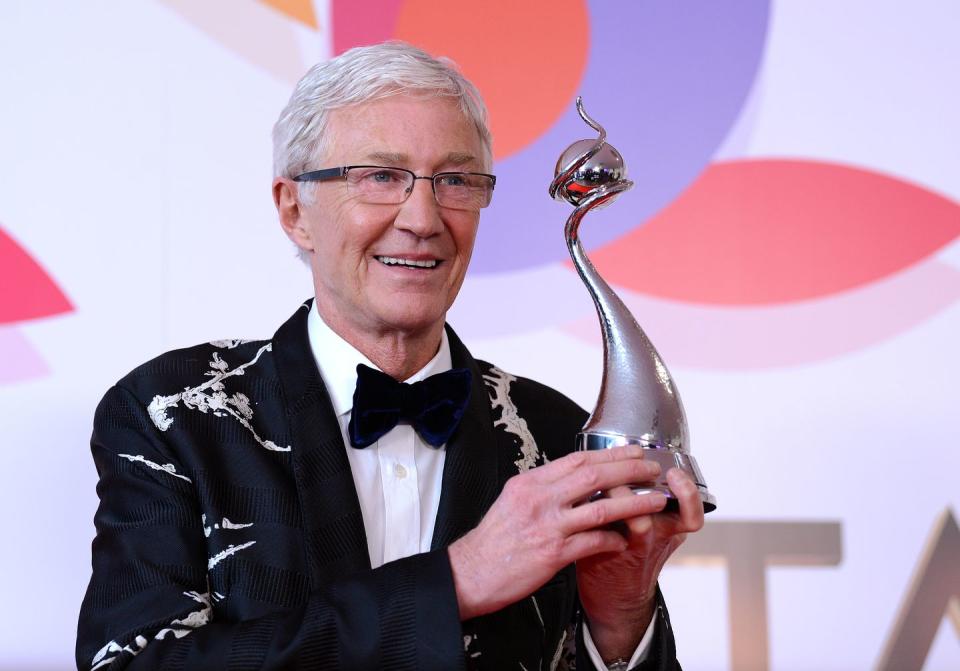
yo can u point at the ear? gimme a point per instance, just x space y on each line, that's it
292 219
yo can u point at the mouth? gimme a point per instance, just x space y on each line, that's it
417 264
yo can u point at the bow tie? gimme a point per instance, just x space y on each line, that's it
433 406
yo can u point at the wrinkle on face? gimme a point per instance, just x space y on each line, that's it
392 308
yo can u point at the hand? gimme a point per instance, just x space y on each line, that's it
617 591
539 524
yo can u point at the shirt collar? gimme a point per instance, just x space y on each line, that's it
337 361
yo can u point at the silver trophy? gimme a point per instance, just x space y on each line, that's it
638 402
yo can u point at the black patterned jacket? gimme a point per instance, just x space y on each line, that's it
229 534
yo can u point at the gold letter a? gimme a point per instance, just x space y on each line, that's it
933 592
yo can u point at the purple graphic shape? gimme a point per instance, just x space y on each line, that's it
20 361
668 81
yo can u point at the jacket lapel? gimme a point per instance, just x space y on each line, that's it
336 543
470 475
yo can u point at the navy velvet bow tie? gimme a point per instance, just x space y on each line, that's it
433 406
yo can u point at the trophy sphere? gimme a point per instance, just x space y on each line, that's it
604 167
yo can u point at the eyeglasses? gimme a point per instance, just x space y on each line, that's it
378 185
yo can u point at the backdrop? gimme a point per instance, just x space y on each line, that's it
791 247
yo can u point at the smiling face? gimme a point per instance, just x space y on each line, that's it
382 269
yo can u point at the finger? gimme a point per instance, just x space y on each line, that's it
604 511
691 506
638 526
626 490
594 478
576 461
588 543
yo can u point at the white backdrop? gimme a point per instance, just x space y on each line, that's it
135 172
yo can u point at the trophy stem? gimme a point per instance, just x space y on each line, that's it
651 409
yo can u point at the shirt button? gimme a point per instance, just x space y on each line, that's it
399 471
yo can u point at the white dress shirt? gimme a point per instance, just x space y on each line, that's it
399 477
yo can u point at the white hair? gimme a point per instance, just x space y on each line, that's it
361 75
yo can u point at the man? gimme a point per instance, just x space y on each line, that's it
285 504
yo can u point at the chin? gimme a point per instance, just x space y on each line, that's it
414 325
413 320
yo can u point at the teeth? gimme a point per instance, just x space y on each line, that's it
410 263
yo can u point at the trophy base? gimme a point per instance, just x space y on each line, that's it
667 458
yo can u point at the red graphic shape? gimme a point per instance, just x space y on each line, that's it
27 291
766 232
360 22
510 51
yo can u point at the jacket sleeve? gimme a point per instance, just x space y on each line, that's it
149 606
555 420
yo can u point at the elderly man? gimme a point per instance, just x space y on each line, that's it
289 504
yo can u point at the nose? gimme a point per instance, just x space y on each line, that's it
420 213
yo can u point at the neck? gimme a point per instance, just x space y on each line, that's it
397 353
400 355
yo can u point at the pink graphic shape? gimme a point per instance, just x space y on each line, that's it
28 291
729 338
767 232
20 361
360 22
256 31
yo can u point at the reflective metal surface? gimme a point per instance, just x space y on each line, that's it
638 401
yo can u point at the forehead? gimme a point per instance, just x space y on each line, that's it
409 131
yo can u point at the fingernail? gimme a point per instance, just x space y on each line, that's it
657 500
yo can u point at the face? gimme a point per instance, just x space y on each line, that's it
354 247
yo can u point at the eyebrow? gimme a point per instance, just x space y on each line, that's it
455 158
459 158
387 157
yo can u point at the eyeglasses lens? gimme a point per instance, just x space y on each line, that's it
392 186
463 190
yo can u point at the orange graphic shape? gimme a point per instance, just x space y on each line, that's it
28 292
527 58
766 232
299 10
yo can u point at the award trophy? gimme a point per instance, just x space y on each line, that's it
638 402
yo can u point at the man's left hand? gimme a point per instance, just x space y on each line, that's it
618 591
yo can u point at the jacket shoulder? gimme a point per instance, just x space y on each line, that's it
213 378
197 401
528 390
534 412
191 366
